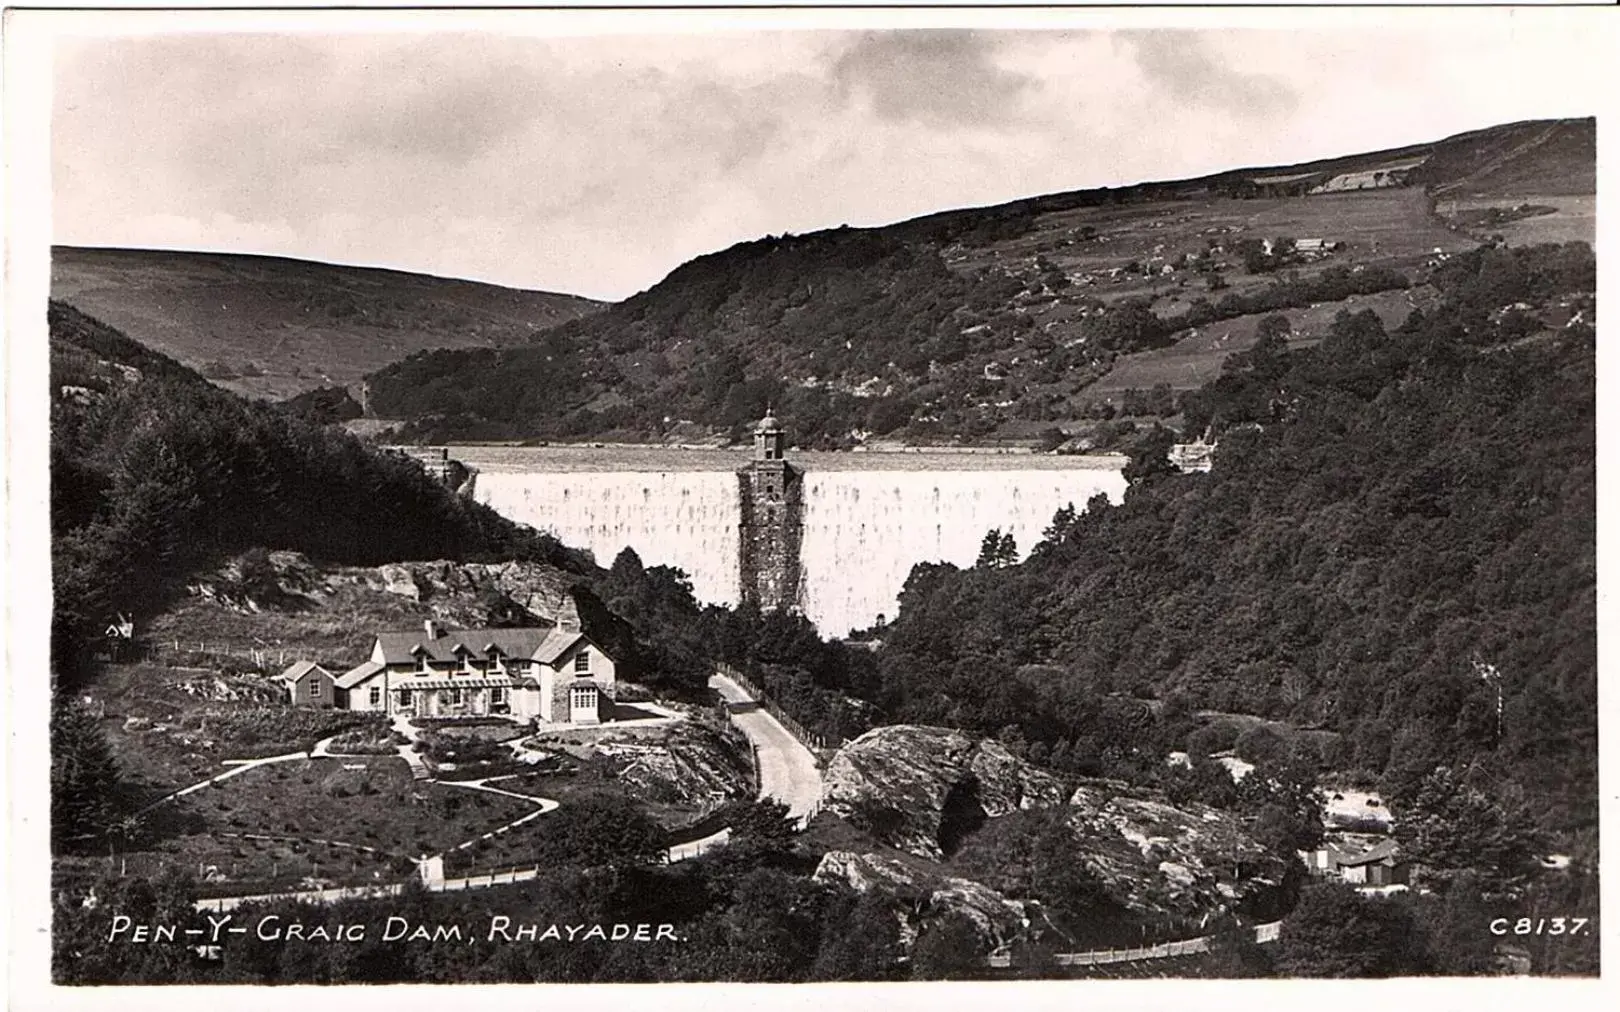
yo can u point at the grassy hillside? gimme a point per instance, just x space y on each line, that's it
1005 322
272 327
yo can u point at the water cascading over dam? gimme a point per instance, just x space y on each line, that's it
864 525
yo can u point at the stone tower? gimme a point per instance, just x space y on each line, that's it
772 499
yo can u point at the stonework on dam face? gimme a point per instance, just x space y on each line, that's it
865 519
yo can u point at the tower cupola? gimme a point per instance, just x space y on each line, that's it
769 439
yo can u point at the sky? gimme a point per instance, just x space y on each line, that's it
596 163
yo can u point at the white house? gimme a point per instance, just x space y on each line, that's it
557 674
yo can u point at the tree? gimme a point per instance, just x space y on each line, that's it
948 948
997 550
84 776
600 829
1336 932
863 945
1453 827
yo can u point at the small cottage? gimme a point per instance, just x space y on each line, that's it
1380 866
308 684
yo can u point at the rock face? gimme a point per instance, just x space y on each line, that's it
688 764
459 594
919 789
918 895
1154 857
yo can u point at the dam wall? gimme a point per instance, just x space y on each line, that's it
862 529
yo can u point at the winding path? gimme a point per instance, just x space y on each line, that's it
787 770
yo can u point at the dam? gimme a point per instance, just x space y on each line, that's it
866 518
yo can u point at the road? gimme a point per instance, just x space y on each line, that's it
787 770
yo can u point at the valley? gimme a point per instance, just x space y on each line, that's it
1319 701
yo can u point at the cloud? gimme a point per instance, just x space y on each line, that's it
942 78
1182 64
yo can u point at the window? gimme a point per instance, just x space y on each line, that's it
376 695
583 698
452 696
421 662
466 661
582 661
497 695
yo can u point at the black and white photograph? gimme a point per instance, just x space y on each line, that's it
680 496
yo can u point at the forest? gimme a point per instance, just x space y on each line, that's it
1400 525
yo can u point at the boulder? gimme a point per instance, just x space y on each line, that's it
919 895
398 579
1156 858
918 788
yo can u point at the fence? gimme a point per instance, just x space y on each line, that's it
284 875
814 742
1263 934
265 658
484 880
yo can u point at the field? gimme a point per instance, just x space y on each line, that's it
1377 225
1574 217
1197 357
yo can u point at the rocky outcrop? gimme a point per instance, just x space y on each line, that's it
920 788
458 594
918 896
1154 857
687 764
536 589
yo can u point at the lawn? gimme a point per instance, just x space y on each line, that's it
344 820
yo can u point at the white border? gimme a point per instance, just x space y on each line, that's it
25 553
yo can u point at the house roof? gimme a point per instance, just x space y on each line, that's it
401 647
299 670
1386 850
354 676
555 645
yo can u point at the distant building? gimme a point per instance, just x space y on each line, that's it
308 684
1198 455
1353 861
556 674
1380 866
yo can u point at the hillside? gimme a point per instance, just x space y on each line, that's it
1059 312
156 473
1393 514
271 327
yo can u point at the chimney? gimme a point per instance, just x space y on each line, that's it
431 628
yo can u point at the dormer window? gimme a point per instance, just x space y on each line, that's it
495 664
421 659
466 658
